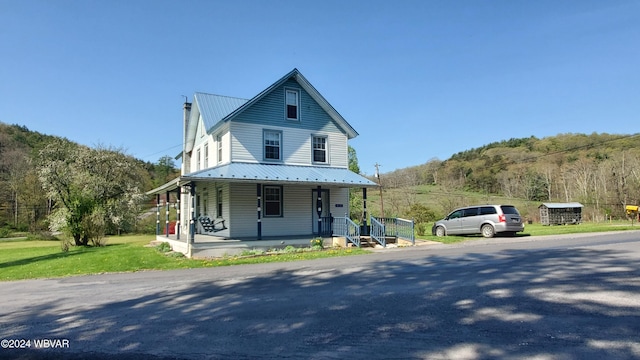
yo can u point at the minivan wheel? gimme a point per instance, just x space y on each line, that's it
440 231
487 231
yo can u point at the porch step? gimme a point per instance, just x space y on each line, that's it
368 242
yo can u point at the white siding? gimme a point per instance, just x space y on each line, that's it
243 211
339 196
247 145
297 216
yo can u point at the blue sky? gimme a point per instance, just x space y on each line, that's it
417 79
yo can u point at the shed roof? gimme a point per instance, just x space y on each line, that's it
266 173
562 205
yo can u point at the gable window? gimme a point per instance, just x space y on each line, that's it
320 149
206 155
272 200
272 145
219 142
292 104
198 158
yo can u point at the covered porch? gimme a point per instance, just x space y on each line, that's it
245 206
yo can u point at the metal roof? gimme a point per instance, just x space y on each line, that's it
562 205
214 108
266 173
240 172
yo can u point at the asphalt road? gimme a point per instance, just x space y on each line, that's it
566 297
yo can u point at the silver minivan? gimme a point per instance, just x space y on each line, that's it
487 220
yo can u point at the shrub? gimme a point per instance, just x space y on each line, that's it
163 247
317 243
5 232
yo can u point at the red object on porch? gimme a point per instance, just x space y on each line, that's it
172 228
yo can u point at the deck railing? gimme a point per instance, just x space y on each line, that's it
378 231
343 226
398 228
405 229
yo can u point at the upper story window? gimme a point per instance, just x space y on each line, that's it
206 155
219 142
198 159
292 104
320 149
272 145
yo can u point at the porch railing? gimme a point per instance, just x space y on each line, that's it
326 226
378 231
398 228
343 226
405 229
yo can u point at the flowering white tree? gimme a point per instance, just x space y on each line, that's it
95 190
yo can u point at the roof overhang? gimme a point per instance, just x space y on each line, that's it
267 173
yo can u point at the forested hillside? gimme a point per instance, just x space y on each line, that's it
24 204
602 171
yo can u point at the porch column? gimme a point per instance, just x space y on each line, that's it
259 196
166 226
364 210
157 214
178 194
319 210
192 222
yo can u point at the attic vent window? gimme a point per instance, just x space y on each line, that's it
292 104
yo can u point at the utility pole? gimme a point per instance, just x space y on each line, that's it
377 174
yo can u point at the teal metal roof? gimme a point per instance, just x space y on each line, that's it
214 108
240 172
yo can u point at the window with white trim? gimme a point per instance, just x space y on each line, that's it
292 106
219 201
206 155
272 200
219 142
198 159
320 149
272 145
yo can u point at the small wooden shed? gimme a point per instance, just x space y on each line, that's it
560 213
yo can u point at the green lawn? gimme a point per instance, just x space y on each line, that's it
539 230
31 259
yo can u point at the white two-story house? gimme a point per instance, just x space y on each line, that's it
275 165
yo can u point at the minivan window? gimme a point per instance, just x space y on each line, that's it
469 212
488 210
456 214
507 209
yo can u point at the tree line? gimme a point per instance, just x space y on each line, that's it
601 171
51 183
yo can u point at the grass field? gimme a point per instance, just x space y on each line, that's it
31 259
540 230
